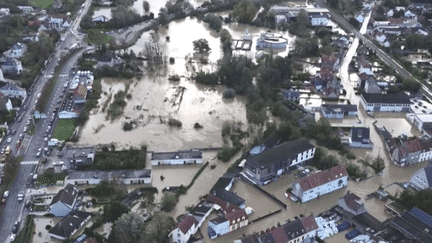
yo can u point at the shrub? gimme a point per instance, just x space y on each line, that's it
212 167
205 78
197 125
172 60
174 122
169 201
229 93
48 227
127 126
129 96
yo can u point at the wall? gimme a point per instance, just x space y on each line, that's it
305 196
178 236
176 161
220 229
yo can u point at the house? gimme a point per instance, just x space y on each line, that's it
371 85
26 9
1 75
409 14
231 221
352 204
291 94
281 19
330 61
415 225
5 103
187 227
58 22
108 59
17 51
385 102
360 18
69 225
318 19
14 91
363 65
266 166
127 177
390 13
342 41
422 178
79 94
412 151
320 183
423 122
177 158
12 66
65 201
4 11
100 19
360 138
298 230
330 111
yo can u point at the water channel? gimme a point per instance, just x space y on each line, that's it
154 100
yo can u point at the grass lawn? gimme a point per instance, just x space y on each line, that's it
64 129
43 3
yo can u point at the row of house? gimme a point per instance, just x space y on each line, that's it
298 230
285 14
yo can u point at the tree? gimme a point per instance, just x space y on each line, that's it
225 39
146 6
163 16
201 46
128 228
378 165
213 21
169 200
158 228
333 3
244 12
354 22
114 210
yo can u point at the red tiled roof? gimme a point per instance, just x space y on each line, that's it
352 201
236 214
322 177
226 207
412 145
186 223
396 21
279 235
309 223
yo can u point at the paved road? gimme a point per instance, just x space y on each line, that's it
126 36
14 210
381 54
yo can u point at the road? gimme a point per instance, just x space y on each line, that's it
381 54
123 37
13 210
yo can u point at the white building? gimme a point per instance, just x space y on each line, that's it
320 183
318 19
385 102
95 177
14 91
271 40
390 13
12 65
360 18
330 111
409 14
26 9
67 115
65 201
4 11
17 51
177 158
185 229
281 19
423 122
422 179
100 19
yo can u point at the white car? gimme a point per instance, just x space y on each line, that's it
12 238
6 194
20 196
9 140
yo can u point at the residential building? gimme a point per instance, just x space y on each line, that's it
415 225
96 176
65 201
412 151
12 66
100 19
299 230
352 204
331 62
69 225
385 102
371 85
17 51
330 111
58 22
5 103
291 94
177 158
187 227
318 19
109 59
232 220
1 75
270 164
4 11
281 19
363 65
422 178
26 9
360 18
14 91
409 14
360 138
320 183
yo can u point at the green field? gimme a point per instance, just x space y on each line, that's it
43 3
64 129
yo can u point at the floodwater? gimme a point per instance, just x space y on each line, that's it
42 234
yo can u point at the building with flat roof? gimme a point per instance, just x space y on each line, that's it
385 102
330 111
177 158
96 176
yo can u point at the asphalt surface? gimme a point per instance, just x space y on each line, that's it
381 54
14 210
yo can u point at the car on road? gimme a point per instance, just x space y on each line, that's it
6 194
20 118
9 140
20 196
25 129
38 154
3 150
3 201
12 237
15 227
13 132
28 122
21 136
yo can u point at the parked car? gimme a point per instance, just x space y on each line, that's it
20 196
9 140
6 194
15 227
38 154
12 237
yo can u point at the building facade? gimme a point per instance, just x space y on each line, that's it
271 40
270 164
412 151
360 138
422 179
95 177
177 158
318 19
338 111
320 183
385 102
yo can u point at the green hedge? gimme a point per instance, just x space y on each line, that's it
26 234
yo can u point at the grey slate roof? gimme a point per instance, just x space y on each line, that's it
109 174
281 152
69 224
333 108
229 197
66 196
400 98
184 154
360 134
294 229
